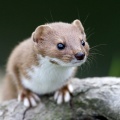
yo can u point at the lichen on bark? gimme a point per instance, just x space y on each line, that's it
93 99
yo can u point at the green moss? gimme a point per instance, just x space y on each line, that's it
115 67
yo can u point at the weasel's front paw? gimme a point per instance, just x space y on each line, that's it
28 98
64 94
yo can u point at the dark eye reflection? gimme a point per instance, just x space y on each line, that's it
83 42
60 46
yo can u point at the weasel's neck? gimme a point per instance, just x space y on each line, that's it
47 77
45 61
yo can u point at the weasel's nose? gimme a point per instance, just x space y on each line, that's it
80 55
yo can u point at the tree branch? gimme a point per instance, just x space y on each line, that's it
93 99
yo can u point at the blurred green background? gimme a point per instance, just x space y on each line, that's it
101 20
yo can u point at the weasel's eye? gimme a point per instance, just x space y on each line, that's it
83 43
60 46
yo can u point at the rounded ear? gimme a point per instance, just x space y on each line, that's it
78 24
39 32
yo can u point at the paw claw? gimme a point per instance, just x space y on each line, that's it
36 97
26 102
70 88
19 98
33 102
67 97
29 99
63 95
56 95
60 99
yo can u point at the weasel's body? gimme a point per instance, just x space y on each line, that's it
45 75
45 62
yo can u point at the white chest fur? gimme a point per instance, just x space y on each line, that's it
47 77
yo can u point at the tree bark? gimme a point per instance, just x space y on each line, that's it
93 99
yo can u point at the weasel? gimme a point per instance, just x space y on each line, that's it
45 62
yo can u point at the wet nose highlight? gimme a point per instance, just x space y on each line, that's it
80 55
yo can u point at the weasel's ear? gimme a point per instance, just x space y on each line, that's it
39 32
78 24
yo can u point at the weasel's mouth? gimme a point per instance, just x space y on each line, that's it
75 62
78 62
54 62
72 63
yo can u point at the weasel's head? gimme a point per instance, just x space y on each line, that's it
62 43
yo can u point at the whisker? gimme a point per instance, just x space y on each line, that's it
78 14
51 16
88 59
46 19
94 50
90 35
96 54
97 46
85 19
89 31
92 58
81 70
88 65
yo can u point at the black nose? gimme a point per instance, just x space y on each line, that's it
80 55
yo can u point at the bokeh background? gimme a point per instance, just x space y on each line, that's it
101 20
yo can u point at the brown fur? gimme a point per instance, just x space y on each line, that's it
64 89
60 33
43 41
8 89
